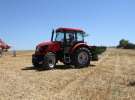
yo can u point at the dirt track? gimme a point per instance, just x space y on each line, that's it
112 78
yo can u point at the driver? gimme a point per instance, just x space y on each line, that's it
71 37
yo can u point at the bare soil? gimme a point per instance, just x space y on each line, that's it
111 78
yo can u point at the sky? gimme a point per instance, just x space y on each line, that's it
26 23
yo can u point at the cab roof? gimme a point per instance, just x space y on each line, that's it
69 30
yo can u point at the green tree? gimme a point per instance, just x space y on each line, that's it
123 43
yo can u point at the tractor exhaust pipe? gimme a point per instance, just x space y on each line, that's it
52 35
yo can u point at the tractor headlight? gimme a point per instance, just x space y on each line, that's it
42 48
37 49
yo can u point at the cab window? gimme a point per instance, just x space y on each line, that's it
59 37
80 36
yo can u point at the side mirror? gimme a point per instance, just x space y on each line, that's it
86 34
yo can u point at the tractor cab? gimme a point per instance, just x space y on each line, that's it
68 36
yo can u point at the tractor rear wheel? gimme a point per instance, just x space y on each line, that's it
82 58
50 60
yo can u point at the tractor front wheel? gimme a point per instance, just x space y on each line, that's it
50 60
82 58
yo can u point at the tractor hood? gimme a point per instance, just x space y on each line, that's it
49 46
45 43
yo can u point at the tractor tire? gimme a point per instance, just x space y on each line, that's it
35 61
36 65
50 60
82 58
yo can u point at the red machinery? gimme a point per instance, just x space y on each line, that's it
67 45
4 46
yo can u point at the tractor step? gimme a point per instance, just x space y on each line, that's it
67 58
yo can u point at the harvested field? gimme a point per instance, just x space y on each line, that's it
111 78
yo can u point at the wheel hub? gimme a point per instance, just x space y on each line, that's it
83 58
51 62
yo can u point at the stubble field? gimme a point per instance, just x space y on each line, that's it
111 78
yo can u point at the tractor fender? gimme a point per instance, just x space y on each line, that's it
78 46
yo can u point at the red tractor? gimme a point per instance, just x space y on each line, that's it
67 45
